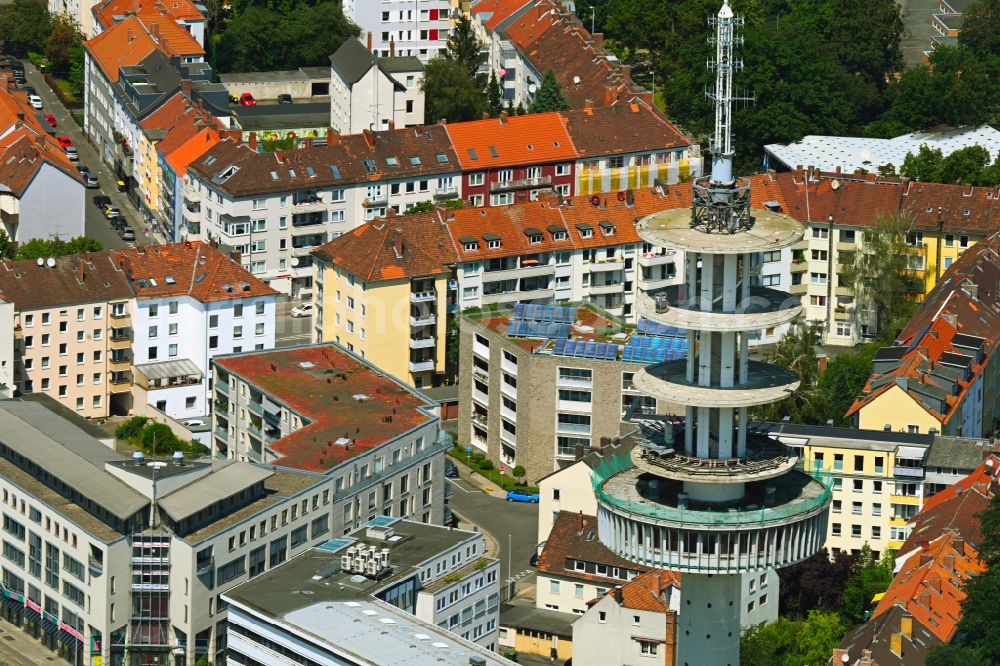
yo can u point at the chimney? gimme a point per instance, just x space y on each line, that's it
609 95
369 41
392 125
578 452
235 256
130 36
253 141
799 174
332 138
369 138
935 583
486 115
618 594
838 657
588 104
598 39
906 625
503 117
392 48
20 116
951 318
81 274
972 290
186 87
837 170
924 599
866 658
154 31
949 562
581 520
958 543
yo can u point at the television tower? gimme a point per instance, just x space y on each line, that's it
721 501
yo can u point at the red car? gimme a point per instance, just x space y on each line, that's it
50 119
64 141
246 99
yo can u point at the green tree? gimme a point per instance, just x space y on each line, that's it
788 642
864 35
6 246
464 48
64 44
966 166
818 636
420 207
989 526
981 29
981 613
494 96
450 93
880 273
159 440
518 473
924 166
56 247
25 24
842 381
955 654
816 583
131 429
796 351
550 95
871 577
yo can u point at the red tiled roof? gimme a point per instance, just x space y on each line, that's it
574 537
178 10
174 39
195 269
649 591
324 394
500 10
955 509
965 301
536 138
510 224
402 246
930 584
623 127
81 278
122 45
196 146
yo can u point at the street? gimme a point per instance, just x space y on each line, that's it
288 330
502 520
97 227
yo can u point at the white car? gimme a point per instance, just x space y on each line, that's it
35 101
303 310
194 423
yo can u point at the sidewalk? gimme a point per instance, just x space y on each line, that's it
475 478
19 649
88 155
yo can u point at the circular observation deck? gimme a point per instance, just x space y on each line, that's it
765 458
646 519
668 381
672 228
764 308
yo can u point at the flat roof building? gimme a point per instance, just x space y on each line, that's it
430 591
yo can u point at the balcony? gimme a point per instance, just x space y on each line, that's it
480 419
312 240
841 314
255 407
422 366
120 361
908 472
518 272
120 382
656 281
254 430
423 320
521 184
221 433
222 385
375 200
656 259
515 295
120 316
611 288
204 566
446 192
306 220
843 291
421 343
799 266
121 338
192 193
422 296
606 265
798 289
95 565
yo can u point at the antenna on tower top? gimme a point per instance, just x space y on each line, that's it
725 65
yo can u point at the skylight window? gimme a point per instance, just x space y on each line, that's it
210 160
472 154
493 151
310 171
441 157
335 170
274 175
370 166
392 161
170 280
415 161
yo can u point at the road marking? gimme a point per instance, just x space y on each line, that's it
455 482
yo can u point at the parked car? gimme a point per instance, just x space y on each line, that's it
64 141
302 310
71 153
534 560
102 201
450 470
193 423
119 224
35 101
127 234
29 90
246 99
111 211
50 119
517 496
89 179
284 98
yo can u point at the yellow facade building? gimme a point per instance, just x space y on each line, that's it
387 300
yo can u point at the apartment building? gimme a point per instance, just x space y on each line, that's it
633 622
509 159
192 303
44 194
186 141
384 292
577 387
379 448
276 207
526 38
66 314
941 374
395 28
367 92
435 575
106 13
109 559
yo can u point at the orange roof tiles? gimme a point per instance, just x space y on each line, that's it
930 584
172 38
500 10
341 426
397 247
649 591
195 269
122 45
179 10
26 145
624 127
535 138
192 149
574 537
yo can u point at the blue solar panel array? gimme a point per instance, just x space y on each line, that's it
518 328
585 349
650 327
550 313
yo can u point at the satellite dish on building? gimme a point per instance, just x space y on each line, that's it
835 185
532 88
50 262
40 261
295 261
576 80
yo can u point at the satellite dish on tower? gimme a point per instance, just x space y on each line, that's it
50 262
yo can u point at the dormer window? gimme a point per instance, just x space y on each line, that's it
469 243
557 232
492 240
607 228
534 235
586 231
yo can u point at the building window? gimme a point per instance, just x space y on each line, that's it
647 648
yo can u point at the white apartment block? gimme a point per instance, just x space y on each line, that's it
368 92
277 208
403 28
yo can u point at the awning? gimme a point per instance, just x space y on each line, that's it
169 369
911 452
531 231
490 237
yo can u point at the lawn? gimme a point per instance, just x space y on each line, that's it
483 466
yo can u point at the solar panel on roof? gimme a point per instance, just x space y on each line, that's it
519 310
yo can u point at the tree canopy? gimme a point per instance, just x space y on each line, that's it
40 248
972 165
25 24
550 95
788 642
871 576
266 35
796 351
449 93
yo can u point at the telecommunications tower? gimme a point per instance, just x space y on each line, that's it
721 501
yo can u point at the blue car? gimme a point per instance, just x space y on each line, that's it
515 496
